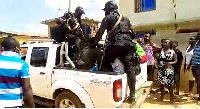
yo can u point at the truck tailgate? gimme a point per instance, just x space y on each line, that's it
98 85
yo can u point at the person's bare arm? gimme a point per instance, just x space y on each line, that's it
155 47
179 69
27 93
189 65
26 86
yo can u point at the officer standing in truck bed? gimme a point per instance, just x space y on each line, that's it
118 44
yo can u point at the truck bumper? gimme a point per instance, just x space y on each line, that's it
140 95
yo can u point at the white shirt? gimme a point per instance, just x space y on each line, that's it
188 55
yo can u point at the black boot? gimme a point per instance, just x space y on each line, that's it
131 98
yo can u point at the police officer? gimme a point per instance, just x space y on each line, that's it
118 45
72 33
79 11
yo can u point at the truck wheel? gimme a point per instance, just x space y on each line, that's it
67 99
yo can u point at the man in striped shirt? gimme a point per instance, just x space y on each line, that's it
195 63
15 85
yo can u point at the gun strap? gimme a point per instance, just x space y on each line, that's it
72 29
116 24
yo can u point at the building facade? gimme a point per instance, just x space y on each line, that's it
173 19
165 17
21 37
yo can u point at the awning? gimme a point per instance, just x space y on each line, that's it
56 19
163 23
188 30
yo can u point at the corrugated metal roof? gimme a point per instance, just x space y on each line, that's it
55 19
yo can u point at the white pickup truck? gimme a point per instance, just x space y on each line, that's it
63 87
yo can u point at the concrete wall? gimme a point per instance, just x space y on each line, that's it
164 12
187 9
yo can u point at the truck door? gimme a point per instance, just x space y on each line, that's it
39 71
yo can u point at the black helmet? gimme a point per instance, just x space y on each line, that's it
79 10
110 5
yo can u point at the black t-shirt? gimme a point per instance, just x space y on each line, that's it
179 59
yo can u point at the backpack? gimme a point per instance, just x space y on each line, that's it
140 51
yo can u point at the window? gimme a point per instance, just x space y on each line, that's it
140 34
58 56
39 56
86 29
144 5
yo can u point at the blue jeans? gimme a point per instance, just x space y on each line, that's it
196 74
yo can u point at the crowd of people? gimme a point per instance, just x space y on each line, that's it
169 59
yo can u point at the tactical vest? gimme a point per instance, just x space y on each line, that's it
124 26
121 35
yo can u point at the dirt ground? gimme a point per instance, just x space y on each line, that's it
184 100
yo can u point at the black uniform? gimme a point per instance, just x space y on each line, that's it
177 65
119 45
72 33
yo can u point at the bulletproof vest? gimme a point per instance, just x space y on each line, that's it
121 35
73 27
123 26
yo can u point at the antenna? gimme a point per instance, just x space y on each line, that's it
69 6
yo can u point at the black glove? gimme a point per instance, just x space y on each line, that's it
92 43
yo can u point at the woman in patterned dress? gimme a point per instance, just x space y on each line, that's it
166 58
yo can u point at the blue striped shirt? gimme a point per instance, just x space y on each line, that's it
12 69
196 55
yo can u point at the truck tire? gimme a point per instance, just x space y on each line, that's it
67 99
